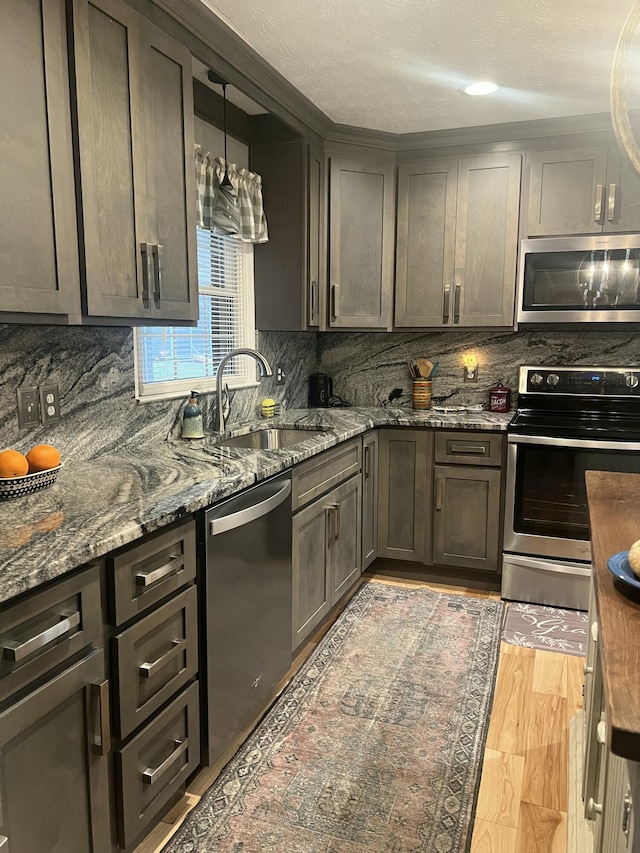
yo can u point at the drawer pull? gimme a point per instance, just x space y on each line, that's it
438 494
597 204
626 812
102 744
474 449
611 205
15 651
337 517
587 670
601 732
151 776
594 632
146 579
148 670
367 448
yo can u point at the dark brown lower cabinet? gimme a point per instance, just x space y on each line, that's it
466 517
53 764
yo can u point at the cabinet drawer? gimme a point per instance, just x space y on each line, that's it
316 476
143 574
469 448
153 659
41 631
156 763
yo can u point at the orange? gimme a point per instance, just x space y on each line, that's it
13 464
42 457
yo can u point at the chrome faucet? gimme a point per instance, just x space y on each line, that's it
265 368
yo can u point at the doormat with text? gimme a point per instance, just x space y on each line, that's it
536 626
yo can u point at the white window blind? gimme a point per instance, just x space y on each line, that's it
172 360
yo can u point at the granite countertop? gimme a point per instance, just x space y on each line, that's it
99 505
614 515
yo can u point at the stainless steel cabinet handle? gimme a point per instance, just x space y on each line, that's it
151 776
476 450
456 303
102 744
147 270
601 732
611 203
597 203
626 812
251 513
148 670
337 533
157 268
587 670
152 576
594 631
15 651
447 303
438 493
315 301
335 305
367 448
4 844
329 510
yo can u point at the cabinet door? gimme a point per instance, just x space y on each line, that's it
317 243
310 577
622 196
53 781
486 241
566 191
426 242
345 537
38 236
466 517
171 201
369 499
110 106
403 493
361 226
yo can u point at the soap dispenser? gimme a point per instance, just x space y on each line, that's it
192 418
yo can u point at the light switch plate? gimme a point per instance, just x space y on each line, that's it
50 404
28 408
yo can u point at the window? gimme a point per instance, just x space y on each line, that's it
172 360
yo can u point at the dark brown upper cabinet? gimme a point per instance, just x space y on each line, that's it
290 268
457 241
38 241
134 102
581 191
361 236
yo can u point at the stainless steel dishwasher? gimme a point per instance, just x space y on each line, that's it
246 616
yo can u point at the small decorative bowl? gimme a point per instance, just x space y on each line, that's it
18 487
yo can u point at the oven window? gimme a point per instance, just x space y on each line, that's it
550 491
599 281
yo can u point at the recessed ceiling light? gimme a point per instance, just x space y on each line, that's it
484 87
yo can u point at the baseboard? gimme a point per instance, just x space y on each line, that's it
579 829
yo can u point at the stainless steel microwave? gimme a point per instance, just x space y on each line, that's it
580 279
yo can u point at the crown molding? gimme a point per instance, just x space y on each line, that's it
344 133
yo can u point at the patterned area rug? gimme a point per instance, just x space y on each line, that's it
375 745
538 627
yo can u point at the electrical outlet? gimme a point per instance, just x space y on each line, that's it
280 375
28 408
50 404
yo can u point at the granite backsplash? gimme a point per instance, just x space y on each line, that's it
94 369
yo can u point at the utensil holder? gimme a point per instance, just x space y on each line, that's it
421 394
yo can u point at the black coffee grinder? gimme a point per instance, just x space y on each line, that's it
320 390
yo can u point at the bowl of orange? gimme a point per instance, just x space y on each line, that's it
22 475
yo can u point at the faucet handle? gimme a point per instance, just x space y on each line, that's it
226 401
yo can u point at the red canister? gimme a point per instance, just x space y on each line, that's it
499 398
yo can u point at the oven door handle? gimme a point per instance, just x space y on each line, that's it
575 443
559 568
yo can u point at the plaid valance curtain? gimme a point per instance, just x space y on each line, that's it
234 211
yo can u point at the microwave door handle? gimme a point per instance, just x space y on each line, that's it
611 202
597 204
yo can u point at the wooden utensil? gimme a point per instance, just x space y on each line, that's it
425 367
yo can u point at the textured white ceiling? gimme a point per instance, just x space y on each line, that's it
397 65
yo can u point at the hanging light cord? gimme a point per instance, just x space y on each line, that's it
225 181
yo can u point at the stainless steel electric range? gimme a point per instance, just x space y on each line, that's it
569 420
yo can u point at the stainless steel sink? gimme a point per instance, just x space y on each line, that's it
271 439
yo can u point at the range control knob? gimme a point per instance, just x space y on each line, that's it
631 380
553 379
536 379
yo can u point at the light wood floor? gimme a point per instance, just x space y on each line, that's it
522 804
